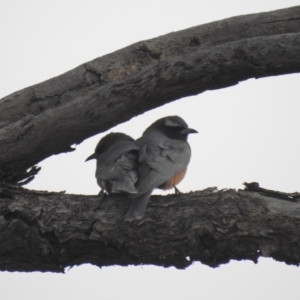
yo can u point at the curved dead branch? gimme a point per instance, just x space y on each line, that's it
48 118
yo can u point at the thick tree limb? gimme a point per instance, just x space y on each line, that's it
42 231
48 118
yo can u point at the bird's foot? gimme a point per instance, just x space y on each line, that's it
177 192
102 194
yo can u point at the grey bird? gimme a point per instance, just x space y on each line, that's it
117 160
163 159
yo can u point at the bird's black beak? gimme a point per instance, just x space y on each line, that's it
93 156
188 131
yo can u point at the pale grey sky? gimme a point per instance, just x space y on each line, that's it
248 132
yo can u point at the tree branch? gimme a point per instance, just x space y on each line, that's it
48 118
43 231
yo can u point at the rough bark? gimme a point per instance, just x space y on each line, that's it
48 118
43 231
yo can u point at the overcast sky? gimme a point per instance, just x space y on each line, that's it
249 132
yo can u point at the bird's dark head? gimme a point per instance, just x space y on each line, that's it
173 127
106 142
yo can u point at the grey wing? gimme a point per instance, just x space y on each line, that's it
116 151
120 172
159 164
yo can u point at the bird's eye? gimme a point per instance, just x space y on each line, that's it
177 128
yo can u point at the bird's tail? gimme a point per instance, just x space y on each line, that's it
138 207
